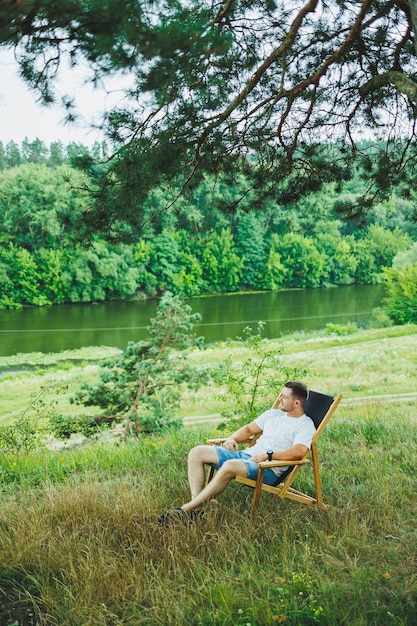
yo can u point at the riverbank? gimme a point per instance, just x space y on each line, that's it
362 364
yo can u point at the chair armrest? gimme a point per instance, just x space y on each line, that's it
269 464
220 440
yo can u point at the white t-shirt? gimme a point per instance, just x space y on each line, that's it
281 432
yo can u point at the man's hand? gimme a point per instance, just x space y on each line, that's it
230 444
259 458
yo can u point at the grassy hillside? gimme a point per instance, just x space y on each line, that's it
358 365
80 545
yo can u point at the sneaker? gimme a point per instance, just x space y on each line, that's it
179 515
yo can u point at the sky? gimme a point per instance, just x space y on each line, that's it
21 117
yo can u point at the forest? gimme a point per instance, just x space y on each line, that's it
194 247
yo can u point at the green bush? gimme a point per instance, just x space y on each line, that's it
401 286
251 384
341 329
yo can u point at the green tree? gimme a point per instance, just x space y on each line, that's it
222 267
98 273
217 87
34 151
366 271
146 280
21 277
143 385
252 249
341 264
401 287
406 257
3 158
174 265
13 156
49 266
188 280
7 292
385 244
163 261
37 204
305 266
56 154
275 272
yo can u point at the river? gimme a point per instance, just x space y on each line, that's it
69 326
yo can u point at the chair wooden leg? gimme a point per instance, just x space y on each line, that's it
316 473
257 491
210 475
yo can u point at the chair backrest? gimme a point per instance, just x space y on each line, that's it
321 410
317 405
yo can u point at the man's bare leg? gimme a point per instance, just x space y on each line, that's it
198 457
200 494
228 471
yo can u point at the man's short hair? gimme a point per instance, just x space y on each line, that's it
299 390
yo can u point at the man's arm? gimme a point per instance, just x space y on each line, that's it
295 453
241 435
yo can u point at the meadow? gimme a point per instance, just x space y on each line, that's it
80 544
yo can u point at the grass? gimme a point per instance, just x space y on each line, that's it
80 544
369 362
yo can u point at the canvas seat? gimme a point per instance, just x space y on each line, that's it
320 407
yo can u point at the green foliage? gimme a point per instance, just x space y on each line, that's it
275 272
36 202
251 247
63 426
341 262
406 257
174 264
222 268
385 244
143 385
304 264
204 95
401 287
50 269
12 154
20 282
341 329
29 430
98 273
21 436
252 384
38 153
259 247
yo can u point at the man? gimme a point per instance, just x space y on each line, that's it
286 434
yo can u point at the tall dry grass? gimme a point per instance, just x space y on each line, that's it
80 544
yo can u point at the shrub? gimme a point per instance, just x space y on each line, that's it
401 301
255 381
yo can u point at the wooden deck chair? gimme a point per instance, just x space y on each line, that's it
320 408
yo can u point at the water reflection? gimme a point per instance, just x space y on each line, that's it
57 328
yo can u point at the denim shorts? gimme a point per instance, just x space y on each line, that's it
226 455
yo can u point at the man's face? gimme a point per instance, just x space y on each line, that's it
287 402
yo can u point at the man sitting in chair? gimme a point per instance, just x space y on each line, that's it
284 434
